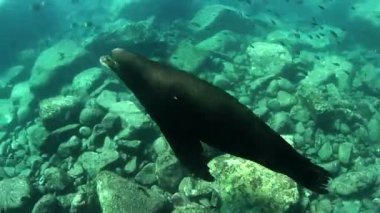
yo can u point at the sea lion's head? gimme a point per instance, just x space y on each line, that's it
121 61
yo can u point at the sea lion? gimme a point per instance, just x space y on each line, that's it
189 110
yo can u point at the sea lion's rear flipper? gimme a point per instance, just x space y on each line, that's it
189 152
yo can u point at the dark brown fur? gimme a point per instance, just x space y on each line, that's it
189 110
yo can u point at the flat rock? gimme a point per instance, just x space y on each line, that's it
263 190
117 194
267 58
215 18
59 110
87 80
66 56
14 193
94 162
7 115
188 57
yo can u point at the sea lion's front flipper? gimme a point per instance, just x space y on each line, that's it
189 152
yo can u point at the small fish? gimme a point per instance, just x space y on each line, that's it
273 22
88 24
336 64
353 8
37 6
334 33
321 7
317 57
310 36
297 35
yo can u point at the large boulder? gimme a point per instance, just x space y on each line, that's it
224 42
188 57
59 110
243 184
214 18
57 65
37 135
11 75
330 69
7 113
267 58
131 115
87 80
94 162
22 98
355 182
14 193
117 194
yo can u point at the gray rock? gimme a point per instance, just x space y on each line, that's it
192 208
89 116
279 121
188 57
274 105
106 99
131 166
299 113
112 123
37 135
57 111
373 129
14 193
58 136
70 147
46 204
10 75
333 166
161 146
87 80
325 152
7 115
344 152
85 131
131 115
117 194
215 18
66 57
93 162
196 190
224 41
286 100
169 172
353 206
221 82
129 146
55 180
22 97
146 176
267 58
351 183
323 205
76 171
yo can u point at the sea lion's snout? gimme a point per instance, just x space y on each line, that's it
109 62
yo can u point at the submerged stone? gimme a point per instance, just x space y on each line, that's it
66 56
94 162
245 183
57 111
14 193
267 58
117 194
